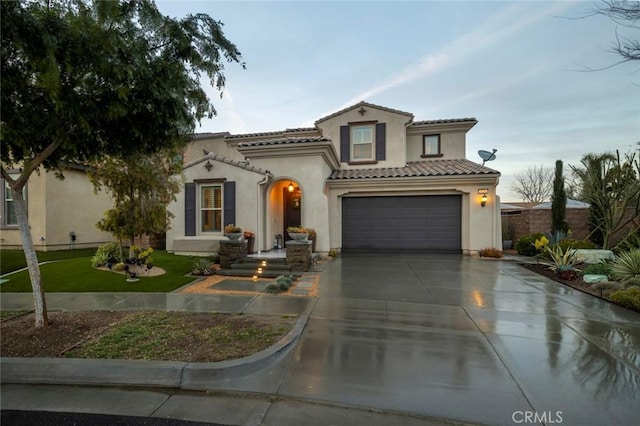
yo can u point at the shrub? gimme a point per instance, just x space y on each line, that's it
598 269
202 266
284 282
607 285
272 288
576 244
333 253
99 259
630 242
626 266
106 253
297 230
525 245
562 262
119 267
629 298
232 229
491 252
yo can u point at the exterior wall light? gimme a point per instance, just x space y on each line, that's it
291 187
483 200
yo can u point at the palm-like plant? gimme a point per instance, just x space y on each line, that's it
626 267
560 261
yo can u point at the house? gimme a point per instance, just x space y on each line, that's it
366 178
62 213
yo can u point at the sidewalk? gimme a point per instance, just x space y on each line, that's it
153 407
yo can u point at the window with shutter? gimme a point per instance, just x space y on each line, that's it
211 208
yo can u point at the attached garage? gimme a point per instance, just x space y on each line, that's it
402 223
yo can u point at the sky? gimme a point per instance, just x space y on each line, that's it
537 76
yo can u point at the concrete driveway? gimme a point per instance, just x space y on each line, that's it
466 339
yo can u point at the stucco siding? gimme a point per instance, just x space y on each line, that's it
452 145
57 207
73 206
310 174
246 199
395 134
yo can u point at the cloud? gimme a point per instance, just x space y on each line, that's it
508 21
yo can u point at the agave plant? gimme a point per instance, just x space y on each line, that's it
560 261
626 267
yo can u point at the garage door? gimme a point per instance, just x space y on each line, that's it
407 223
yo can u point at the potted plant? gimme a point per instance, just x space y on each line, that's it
232 232
508 231
297 233
250 237
312 237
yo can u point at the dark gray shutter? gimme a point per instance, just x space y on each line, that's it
190 209
381 141
229 203
344 144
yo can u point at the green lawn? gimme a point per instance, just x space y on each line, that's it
12 260
77 275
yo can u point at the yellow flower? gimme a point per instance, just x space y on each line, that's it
540 243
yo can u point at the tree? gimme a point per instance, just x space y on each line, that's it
534 185
626 14
82 81
612 188
559 202
141 185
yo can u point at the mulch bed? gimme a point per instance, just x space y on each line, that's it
578 283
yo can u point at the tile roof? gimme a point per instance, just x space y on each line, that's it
285 141
444 121
362 104
209 135
238 163
276 133
457 167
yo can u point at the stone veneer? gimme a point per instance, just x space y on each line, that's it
232 251
299 255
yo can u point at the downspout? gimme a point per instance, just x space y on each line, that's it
259 218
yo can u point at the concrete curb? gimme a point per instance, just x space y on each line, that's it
165 374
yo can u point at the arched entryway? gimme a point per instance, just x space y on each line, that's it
284 207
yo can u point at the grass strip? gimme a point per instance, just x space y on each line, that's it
77 275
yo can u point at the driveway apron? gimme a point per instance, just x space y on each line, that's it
466 339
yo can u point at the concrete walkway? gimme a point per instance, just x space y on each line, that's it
426 336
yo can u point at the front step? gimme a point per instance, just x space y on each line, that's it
247 273
257 261
248 267
284 269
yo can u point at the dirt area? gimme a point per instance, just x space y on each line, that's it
578 283
169 336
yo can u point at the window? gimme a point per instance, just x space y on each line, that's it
362 142
211 208
8 207
431 146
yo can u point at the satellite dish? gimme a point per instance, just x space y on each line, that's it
487 156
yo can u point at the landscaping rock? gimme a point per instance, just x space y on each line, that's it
594 278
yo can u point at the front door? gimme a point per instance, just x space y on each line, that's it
292 208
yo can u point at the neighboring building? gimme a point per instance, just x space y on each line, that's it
58 210
366 178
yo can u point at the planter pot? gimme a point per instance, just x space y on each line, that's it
506 244
250 241
298 236
233 235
